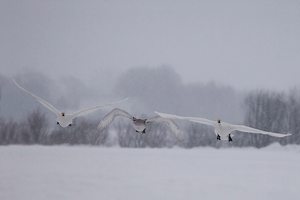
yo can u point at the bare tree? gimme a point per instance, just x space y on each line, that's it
294 117
8 132
37 126
2 82
267 111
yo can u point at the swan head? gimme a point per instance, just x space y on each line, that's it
139 121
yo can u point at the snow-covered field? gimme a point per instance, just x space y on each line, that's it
63 172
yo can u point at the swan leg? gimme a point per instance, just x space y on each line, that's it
218 137
229 138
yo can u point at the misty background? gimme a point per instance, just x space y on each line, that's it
234 60
25 121
244 44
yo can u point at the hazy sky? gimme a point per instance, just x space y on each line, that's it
246 44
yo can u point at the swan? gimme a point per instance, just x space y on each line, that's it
140 125
223 130
63 119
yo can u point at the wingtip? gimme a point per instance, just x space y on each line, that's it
161 114
122 100
14 81
17 84
285 135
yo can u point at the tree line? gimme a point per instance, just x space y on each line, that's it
266 110
149 89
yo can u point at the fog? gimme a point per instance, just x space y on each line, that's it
24 120
148 88
213 59
243 44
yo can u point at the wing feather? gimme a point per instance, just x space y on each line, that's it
170 123
248 129
192 119
39 99
95 108
108 118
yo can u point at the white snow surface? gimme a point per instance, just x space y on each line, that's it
83 172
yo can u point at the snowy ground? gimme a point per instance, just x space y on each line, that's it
60 173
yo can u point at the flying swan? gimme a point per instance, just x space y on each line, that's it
140 125
62 118
223 130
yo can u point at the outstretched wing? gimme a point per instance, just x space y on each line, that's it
93 109
169 122
108 118
39 99
192 119
248 129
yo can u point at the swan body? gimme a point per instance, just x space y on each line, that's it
140 125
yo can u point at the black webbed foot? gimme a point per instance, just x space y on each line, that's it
218 137
229 138
144 131
57 123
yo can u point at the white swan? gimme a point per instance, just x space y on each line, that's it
62 118
140 125
223 130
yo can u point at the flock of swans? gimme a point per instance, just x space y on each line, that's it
222 129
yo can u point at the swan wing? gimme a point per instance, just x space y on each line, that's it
248 129
39 99
95 108
192 119
108 118
169 122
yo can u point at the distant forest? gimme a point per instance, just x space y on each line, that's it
149 89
